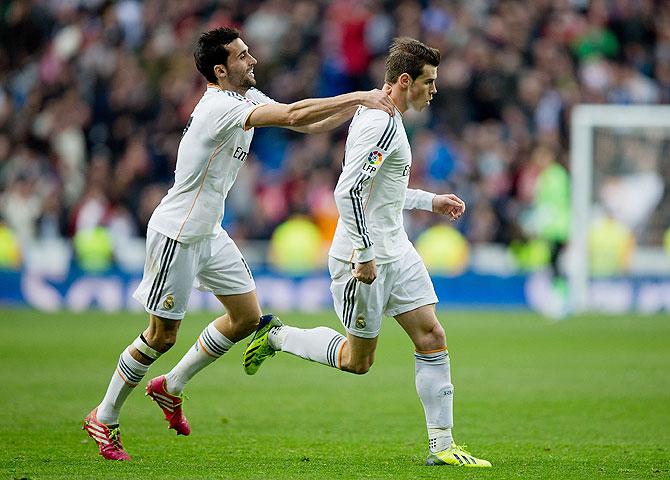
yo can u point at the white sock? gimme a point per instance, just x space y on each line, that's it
209 346
129 372
320 344
433 384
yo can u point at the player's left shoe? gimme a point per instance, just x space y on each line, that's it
456 456
170 404
259 347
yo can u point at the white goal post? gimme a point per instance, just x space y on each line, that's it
585 119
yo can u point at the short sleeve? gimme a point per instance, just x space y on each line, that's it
258 96
230 111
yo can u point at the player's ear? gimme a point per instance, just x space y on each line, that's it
405 80
220 71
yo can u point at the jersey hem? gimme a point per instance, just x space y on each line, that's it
378 261
246 119
169 316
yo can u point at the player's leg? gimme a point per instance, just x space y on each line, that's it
358 307
164 291
223 272
102 424
243 313
412 304
358 354
432 373
134 363
321 345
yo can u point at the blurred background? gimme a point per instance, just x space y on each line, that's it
94 96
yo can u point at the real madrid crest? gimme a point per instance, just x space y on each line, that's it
168 303
360 321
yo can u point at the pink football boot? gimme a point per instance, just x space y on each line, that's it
170 404
108 438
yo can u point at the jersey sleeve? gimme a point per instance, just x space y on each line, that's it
230 111
418 199
372 142
258 96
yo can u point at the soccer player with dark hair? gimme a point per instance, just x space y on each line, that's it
186 245
374 268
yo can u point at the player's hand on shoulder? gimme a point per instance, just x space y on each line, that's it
365 272
379 100
448 204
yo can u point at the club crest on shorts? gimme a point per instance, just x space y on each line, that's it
168 303
360 321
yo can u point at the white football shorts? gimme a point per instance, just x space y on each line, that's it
400 287
172 269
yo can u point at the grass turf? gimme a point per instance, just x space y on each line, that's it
588 397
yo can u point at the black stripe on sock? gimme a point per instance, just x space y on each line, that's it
328 352
211 343
132 376
429 358
331 354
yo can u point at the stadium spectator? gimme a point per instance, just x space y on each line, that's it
81 77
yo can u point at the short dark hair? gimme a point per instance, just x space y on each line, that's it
211 50
407 55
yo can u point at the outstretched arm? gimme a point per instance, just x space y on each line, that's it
313 110
329 123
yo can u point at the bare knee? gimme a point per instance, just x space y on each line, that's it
250 322
161 341
431 339
161 334
244 324
358 367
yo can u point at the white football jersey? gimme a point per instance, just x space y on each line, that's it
213 147
372 192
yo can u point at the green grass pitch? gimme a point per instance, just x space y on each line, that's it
586 398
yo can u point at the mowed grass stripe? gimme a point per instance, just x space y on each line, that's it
587 397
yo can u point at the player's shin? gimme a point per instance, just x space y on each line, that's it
433 384
209 346
129 372
321 344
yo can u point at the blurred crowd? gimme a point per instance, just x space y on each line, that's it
94 96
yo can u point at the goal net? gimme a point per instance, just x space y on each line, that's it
620 170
